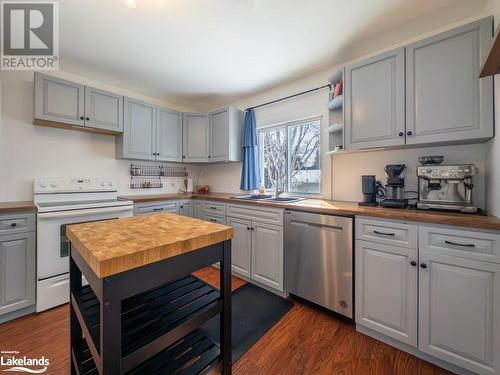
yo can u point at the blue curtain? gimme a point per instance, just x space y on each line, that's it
250 172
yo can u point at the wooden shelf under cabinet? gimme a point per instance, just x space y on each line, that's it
85 129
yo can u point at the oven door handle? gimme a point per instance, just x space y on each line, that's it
75 213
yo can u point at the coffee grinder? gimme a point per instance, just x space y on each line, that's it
369 190
394 188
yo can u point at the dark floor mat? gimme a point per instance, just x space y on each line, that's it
254 312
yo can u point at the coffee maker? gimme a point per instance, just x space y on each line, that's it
394 188
446 187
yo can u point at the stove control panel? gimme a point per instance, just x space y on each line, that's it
450 172
73 185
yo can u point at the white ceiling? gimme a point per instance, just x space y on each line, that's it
186 51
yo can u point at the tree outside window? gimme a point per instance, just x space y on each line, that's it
290 157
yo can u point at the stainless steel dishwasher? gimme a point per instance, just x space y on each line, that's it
319 259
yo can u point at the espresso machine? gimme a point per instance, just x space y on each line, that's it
394 188
446 187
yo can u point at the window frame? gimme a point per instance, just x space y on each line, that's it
286 127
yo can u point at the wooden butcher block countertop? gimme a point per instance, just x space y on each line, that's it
21 206
324 206
115 246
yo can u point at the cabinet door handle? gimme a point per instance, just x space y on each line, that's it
423 265
409 132
248 228
87 118
384 233
82 118
252 228
459 244
413 263
13 225
401 134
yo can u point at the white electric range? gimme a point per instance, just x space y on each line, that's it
63 201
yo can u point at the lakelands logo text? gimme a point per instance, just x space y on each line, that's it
23 364
30 35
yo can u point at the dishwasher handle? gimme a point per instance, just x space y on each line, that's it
317 225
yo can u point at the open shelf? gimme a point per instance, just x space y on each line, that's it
153 320
336 103
193 354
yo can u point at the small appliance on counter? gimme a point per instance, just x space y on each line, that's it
446 187
369 190
395 186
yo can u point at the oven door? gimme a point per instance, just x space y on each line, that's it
52 244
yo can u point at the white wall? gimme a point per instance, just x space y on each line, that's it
341 173
493 150
348 168
28 152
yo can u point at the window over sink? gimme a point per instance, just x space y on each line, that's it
290 157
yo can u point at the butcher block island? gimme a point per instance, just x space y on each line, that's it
141 309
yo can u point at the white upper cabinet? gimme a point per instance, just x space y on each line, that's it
59 100
225 131
425 93
66 102
374 101
103 109
139 129
195 137
445 99
168 135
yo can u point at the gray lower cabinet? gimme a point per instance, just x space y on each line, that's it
168 135
136 142
17 272
103 109
459 311
59 100
195 137
225 131
156 207
386 290
186 208
445 99
241 247
374 101
267 254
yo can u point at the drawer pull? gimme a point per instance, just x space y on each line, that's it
459 244
212 207
384 233
158 209
13 225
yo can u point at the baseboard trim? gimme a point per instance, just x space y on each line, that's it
413 351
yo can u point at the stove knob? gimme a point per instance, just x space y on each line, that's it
429 170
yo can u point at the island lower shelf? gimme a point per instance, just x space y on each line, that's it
153 319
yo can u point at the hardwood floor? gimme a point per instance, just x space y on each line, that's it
305 341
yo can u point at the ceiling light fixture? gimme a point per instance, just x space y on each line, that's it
131 4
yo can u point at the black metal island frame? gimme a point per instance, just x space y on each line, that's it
141 310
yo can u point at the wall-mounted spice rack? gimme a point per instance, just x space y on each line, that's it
145 182
157 170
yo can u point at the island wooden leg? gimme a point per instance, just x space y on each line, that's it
111 334
225 317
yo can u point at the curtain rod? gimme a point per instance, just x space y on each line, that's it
290 96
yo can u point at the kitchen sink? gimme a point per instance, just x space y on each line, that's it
254 197
285 199
268 198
